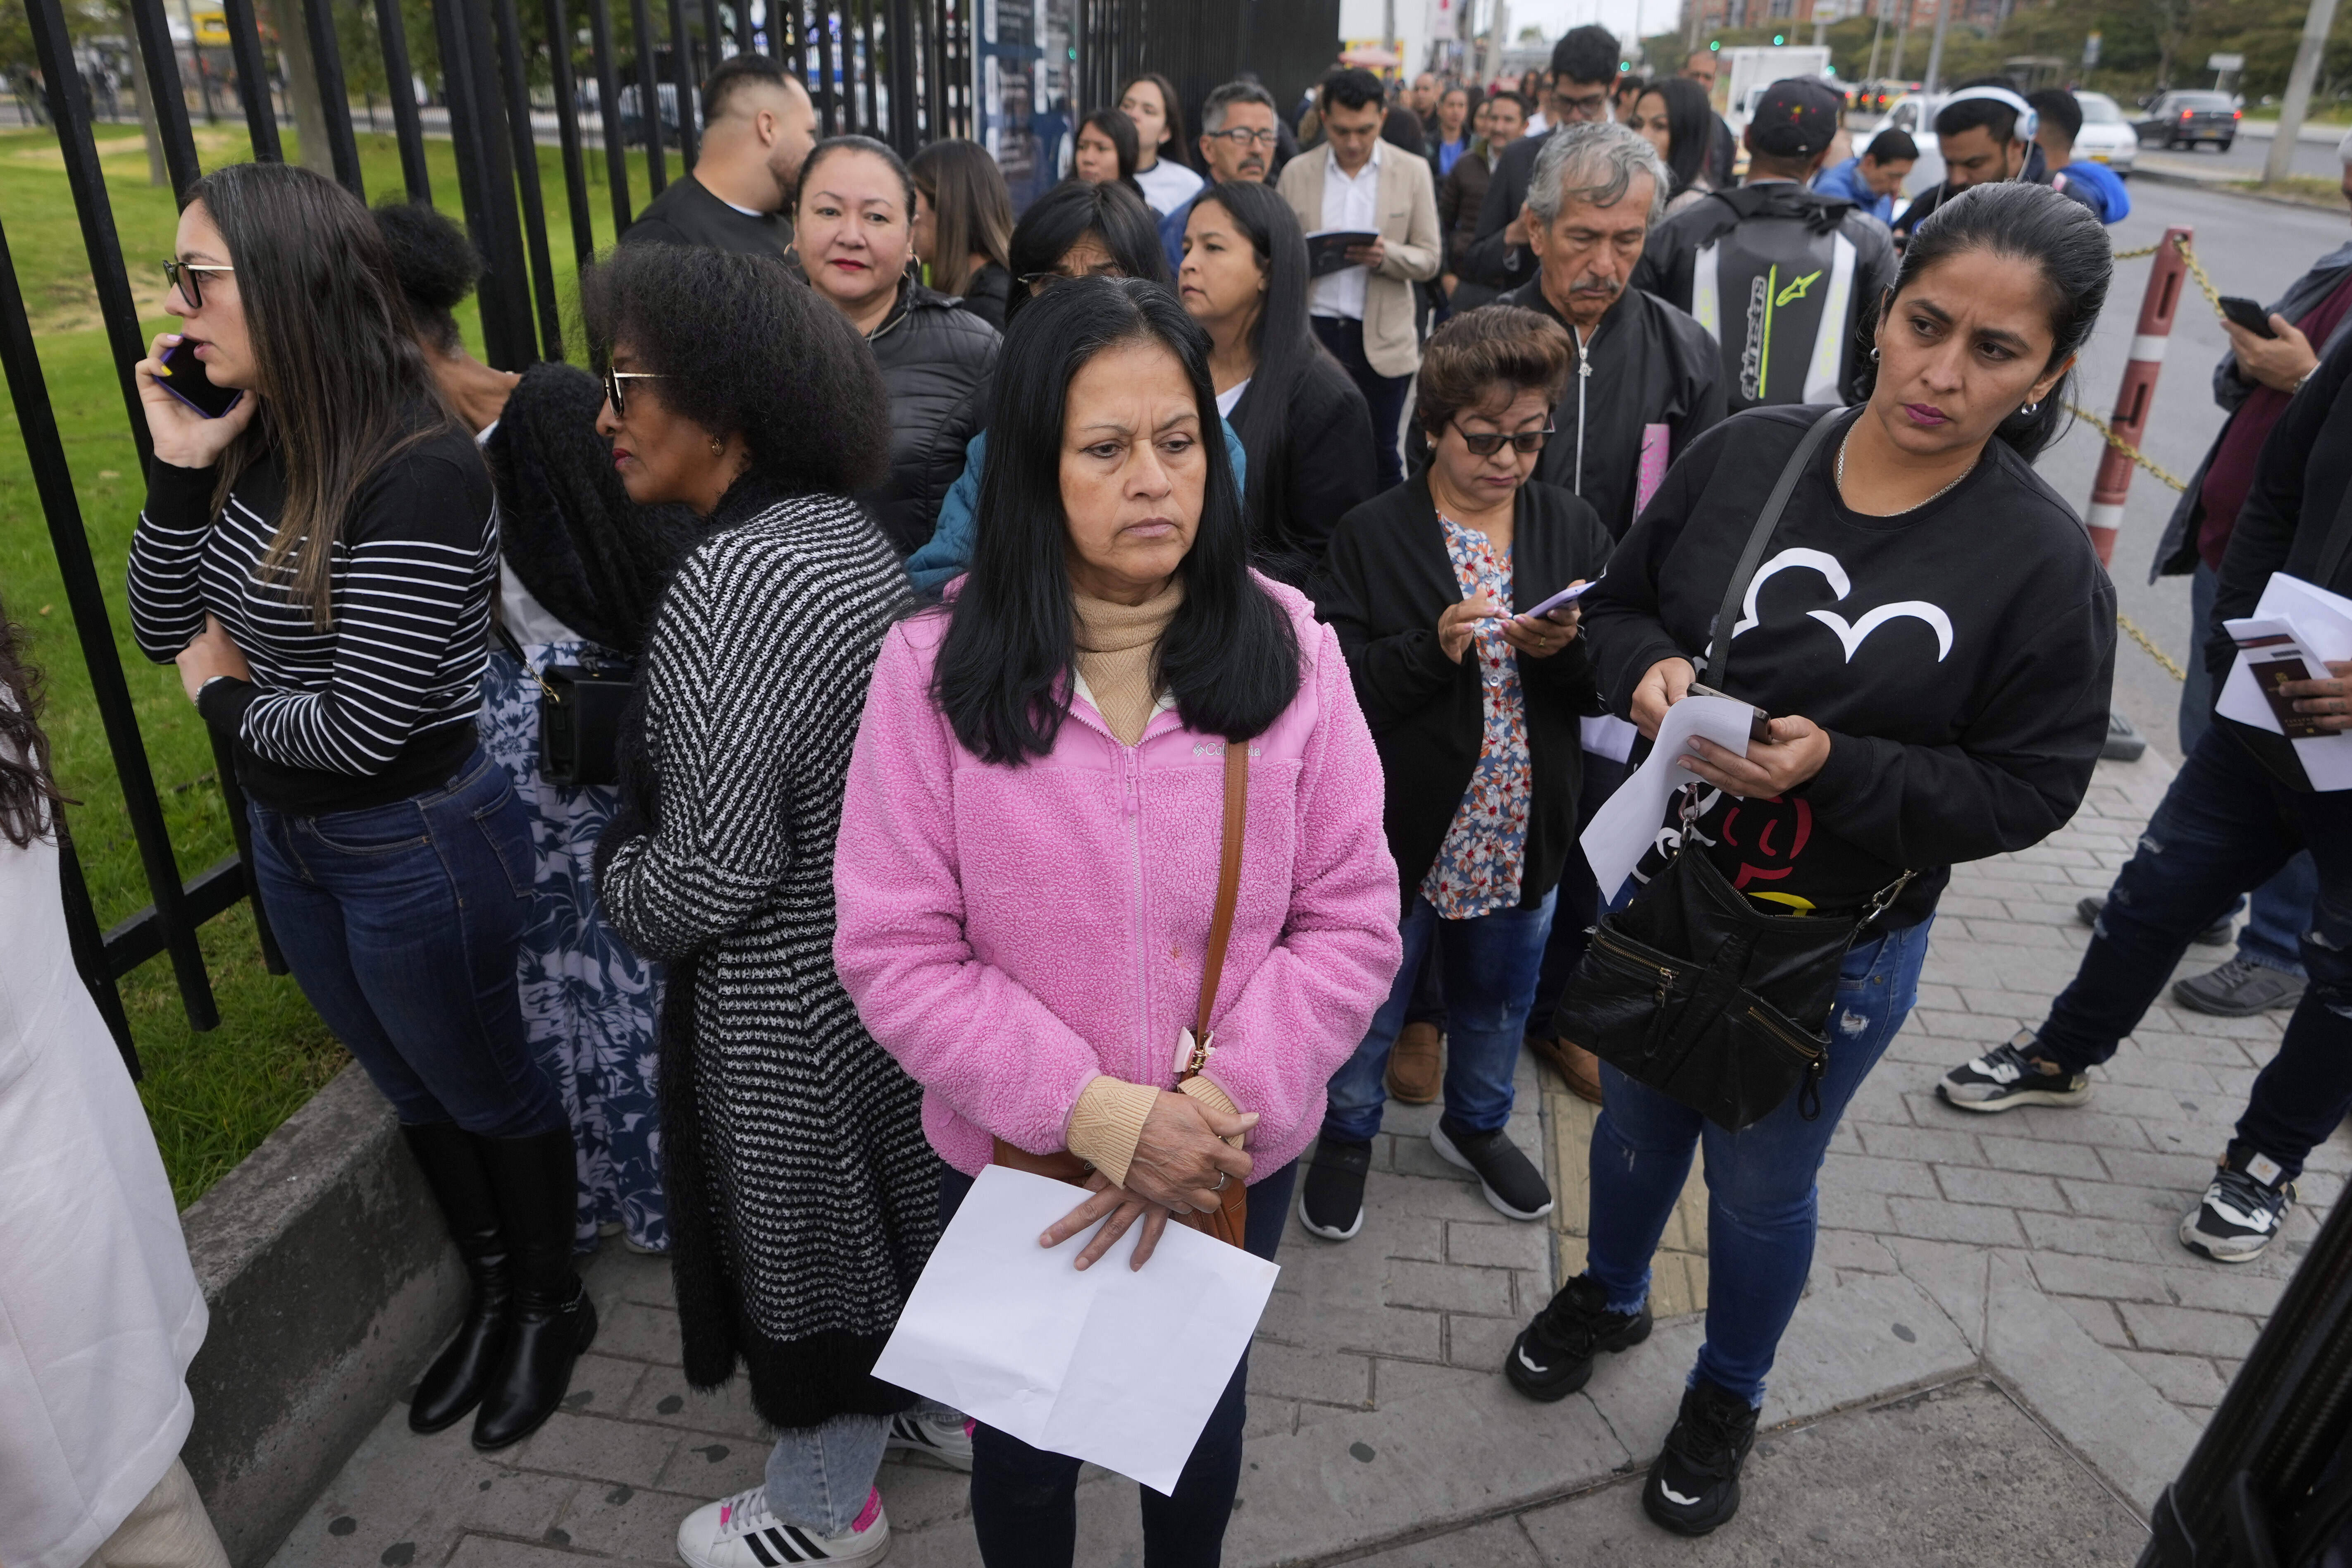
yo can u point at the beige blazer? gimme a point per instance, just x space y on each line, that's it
1407 201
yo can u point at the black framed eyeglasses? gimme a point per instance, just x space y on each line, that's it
1243 136
186 277
613 379
1486 444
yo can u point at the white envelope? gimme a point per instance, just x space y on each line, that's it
1622 831
2321 624
1116 1365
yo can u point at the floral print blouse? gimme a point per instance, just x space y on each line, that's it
1477 867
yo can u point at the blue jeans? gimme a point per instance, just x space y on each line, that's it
1489 967
2223 823
1762 1203
819 1477
401 923
1386 394
2281 907
1025 1500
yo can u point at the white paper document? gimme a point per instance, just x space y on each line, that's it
2302 622
1117 1365
1622 832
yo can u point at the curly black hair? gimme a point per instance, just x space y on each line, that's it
434 263
742 345
28 791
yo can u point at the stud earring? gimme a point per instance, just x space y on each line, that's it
718 447
2032 407
1874 354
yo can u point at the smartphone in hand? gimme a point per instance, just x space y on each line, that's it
1759 723
2248 314
184 377
1559 601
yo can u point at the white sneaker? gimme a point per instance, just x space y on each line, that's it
950 1445
739 1533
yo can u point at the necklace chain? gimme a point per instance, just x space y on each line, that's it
1915 505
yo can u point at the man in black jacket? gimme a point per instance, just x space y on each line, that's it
1646 373
1583 68
2242 805
758 126
1787 280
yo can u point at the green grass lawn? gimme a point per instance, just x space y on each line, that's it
211 1096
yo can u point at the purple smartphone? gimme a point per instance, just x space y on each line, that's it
184 379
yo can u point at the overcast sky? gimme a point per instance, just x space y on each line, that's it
1619 16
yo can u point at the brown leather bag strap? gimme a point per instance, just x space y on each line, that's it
1229 884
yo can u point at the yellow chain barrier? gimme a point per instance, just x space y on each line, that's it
2125 448
2154 652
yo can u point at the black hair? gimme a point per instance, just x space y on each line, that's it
2059 238
1004 676
436 265
2060 107
28 790
743 347
1070 211
1115 124
1400 127
734 73
1998 118
1177 148
1285 350
1690 128
1892 147
882 150
1352 86
1588 53
1526 109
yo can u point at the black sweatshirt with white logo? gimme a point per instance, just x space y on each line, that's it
1959 655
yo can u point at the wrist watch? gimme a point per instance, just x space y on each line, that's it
2303 380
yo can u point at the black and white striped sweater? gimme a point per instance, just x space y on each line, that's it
378 705
802 1194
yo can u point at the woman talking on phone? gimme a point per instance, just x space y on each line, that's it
1933 638
319 558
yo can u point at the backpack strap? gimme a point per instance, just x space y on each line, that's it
1734 593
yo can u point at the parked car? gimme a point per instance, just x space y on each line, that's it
1914 113
1877 97
2190 118
2106 136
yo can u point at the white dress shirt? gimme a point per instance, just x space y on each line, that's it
1347 204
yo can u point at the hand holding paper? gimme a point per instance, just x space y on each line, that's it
1622 831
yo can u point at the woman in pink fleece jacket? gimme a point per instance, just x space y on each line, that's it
1031 833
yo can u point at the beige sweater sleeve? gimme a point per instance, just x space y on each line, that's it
1106 1123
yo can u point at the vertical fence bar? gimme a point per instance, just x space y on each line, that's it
871 71
526 162
400 78
334 98
165 91
252 79
485 181
712 34
608 105
53 481
828 114
89 945
683 78
649 96
567 124
898 32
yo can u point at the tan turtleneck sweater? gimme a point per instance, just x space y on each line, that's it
1118 652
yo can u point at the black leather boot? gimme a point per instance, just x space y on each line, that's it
453 1384
551 1318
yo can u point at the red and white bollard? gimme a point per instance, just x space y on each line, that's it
2165 275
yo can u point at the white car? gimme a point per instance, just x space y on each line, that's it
2107 135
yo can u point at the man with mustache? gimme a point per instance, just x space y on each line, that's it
1645 373
1238 141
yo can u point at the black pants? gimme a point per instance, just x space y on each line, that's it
1386 394
1024 1503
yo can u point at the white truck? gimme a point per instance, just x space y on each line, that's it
1743 74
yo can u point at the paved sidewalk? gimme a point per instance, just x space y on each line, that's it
1998 1306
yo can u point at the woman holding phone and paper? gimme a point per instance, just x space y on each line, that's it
1929 625
1033 832
1474 702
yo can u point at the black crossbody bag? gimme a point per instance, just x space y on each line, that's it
1691 989
578 716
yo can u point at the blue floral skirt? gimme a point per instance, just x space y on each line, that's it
589 1002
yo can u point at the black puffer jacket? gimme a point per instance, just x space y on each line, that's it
936 359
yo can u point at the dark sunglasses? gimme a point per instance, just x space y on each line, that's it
1486 444
613 379
186 276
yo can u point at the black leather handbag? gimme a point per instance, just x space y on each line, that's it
578 716
1691 989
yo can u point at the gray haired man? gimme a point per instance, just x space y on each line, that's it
1238 136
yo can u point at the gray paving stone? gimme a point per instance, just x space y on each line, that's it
2007 1153
2099 1319
1290 1372
2185 1380
2008 1189
1947 1221
1503 1246
1450 1288
1869 1174
597 1449
2187 1330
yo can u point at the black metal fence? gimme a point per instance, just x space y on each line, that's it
908 71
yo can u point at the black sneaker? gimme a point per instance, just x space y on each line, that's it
1331 1198
1553 1357
2005 1077
1510 1179
2239 989
2218 934
1694 1485
2249 1200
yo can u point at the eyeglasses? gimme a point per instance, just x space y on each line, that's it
1486 444
183 276
1242 137
613 379
1590 103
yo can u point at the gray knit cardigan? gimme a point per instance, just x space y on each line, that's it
803 1199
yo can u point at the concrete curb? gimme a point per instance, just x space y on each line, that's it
331 1279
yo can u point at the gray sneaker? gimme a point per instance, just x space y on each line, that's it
2239 989
2088 908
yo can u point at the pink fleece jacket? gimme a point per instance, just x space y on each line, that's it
1008 933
